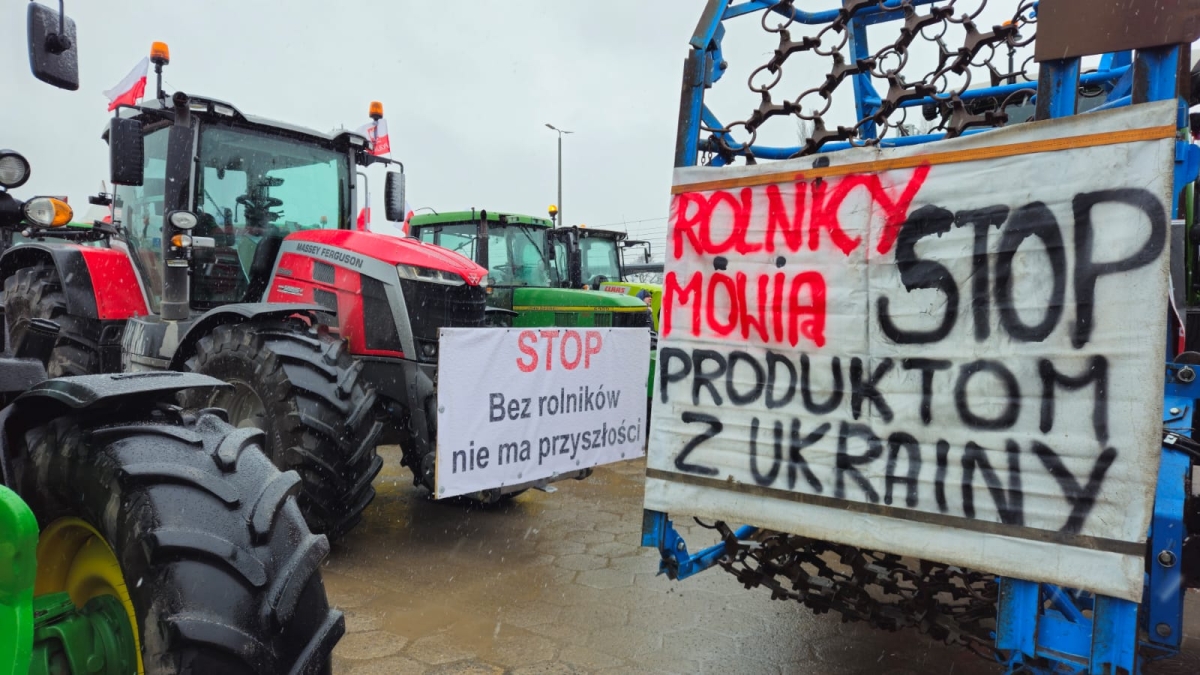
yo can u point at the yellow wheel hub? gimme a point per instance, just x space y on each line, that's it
73 557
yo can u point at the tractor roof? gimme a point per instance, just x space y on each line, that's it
211 107
447 217
598 233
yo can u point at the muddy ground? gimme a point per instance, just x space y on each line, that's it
556 583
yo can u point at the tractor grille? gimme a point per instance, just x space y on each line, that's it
432 306
632 319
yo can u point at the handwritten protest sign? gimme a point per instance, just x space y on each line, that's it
521 405
952 351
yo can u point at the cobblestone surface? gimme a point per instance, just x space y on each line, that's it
557 583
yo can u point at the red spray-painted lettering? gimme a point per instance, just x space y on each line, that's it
777 312
695 214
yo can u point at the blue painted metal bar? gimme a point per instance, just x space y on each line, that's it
706 28
1016 623
659 532
866 98
1114 637
1164 599
1064 603
1058 84
1063 641
814 18
1089 79
1115 103
770 152
690 109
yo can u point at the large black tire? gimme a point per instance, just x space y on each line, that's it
221 570
36 293
301 386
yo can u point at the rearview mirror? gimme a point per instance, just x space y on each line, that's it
53 49
393 197
126 151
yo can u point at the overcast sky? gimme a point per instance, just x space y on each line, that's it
467 88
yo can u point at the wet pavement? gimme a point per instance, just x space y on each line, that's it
556 583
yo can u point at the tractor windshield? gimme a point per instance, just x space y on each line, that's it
516 253
253 190
517 256
599 260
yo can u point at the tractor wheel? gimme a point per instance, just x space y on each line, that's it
301 387
179 531
36 293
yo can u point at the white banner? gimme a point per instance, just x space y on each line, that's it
952 352
517 405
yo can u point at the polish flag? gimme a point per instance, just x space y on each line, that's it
377 134
130 89
364 218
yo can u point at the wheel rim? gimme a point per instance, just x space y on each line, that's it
73 557
244 405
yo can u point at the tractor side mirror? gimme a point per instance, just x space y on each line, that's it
126 151
393 197
53 47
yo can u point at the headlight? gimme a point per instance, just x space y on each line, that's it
418 273
14 169
485 282
184 220
47 212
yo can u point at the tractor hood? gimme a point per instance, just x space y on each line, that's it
395 251
568 299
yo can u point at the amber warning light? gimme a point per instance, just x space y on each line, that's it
376 110
160 53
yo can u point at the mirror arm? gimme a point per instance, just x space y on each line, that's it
57 43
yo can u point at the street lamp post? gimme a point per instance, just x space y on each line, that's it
560 135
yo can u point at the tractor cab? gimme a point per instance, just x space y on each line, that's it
525 272
596 259
252 183
589 258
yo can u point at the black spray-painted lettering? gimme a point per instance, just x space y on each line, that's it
847 464
714 427
982 219
1087 271
1009 502
1011 395
1081 498
927 367
868 390
916 273
897 441
790 392
1031 220
1096 371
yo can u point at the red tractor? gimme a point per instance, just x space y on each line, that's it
231 251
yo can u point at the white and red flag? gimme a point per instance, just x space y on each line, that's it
130 89
377 134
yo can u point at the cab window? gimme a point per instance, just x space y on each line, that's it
139 211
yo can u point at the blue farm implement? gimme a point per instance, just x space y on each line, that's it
910 95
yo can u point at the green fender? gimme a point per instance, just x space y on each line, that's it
18 566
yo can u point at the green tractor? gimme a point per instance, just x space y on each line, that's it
522 271
526 285
592 259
